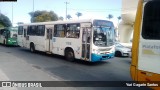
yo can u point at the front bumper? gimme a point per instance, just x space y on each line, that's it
100 57
12 43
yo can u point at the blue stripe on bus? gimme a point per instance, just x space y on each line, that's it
100 57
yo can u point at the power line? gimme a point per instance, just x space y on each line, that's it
104 10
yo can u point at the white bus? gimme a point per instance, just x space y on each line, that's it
90 40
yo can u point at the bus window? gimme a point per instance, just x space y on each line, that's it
151 21
59 30
32 30
6 34
14 36
20 30
41 30
73 30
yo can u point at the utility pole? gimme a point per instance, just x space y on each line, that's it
33 13
33 5
12 13
0 9
66 8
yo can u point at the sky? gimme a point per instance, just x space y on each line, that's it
88 8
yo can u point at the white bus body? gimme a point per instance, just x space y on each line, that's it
89 40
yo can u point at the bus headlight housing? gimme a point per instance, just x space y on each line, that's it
96 51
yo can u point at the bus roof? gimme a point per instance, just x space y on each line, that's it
62 22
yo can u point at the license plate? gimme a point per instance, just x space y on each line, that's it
125 54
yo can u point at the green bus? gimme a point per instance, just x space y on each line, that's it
8 36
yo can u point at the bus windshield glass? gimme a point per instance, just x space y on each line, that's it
103 34
6 33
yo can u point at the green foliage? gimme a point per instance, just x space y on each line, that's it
110 16
119 18
4 21
69 17
60 18
1 25
43 16
78 14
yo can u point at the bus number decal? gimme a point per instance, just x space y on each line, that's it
68 43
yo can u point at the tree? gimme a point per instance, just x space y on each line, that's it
119 18
60 18
20 23
4 21
78 14
43 16
110 16
69 16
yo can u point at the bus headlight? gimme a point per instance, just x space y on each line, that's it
9 40
96 51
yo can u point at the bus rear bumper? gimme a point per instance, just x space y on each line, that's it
100 57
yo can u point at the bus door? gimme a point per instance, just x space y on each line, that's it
20 36
86 39
49 34
25 38
0 35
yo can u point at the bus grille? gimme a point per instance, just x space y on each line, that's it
106 49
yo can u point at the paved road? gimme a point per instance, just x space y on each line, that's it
53 67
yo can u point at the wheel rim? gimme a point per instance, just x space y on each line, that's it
70 56
119 54
4 43
31 49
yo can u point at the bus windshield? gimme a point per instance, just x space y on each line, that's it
6 33
103 34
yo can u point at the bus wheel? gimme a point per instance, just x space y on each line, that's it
32 48
118 54
69 55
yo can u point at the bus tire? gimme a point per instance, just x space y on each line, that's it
118 54
69 55
32 48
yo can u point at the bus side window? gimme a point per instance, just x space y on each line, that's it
32 30
59 30
20 30
14 35
73 30
151 21
40 30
